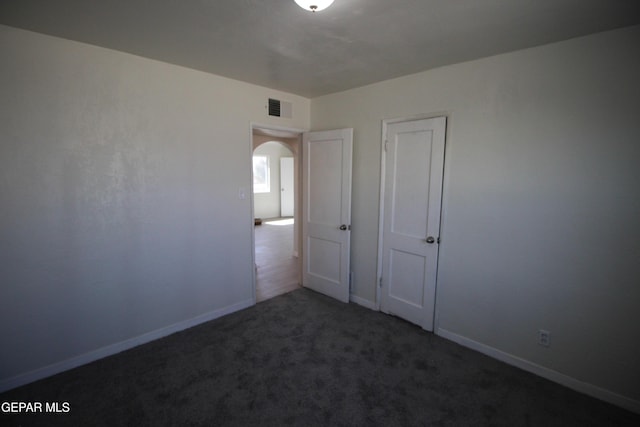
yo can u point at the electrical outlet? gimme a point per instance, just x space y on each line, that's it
544 338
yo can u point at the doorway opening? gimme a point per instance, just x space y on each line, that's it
276 210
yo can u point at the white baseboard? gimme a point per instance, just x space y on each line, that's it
83 359
557 377
363 302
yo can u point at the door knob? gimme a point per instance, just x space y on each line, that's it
343 227
430 239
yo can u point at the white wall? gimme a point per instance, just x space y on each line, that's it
120 216
541 214
267 205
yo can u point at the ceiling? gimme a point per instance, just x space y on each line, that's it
275 43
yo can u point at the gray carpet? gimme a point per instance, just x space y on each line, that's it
302 359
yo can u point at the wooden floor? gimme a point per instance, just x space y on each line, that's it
277 270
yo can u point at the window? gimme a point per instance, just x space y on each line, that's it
261 181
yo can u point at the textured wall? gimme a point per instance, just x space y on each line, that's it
119 197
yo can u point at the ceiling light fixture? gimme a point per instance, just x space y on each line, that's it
314 5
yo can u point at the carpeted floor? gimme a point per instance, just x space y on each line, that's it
302 359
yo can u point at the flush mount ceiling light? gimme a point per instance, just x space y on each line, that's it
314 5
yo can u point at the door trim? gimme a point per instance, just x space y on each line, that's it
383 139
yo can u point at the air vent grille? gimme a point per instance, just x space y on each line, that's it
279 108
274 107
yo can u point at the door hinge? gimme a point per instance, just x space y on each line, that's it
386 145
380 283
438 241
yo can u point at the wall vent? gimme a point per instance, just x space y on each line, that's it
279 108
274 107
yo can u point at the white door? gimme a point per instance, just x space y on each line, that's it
286 186
326 225
413 167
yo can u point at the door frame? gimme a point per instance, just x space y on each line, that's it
383 139
297 213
